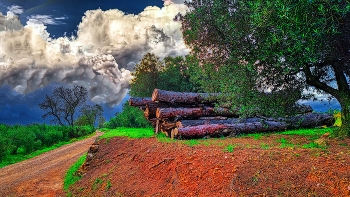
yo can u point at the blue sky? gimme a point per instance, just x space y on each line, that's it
48 43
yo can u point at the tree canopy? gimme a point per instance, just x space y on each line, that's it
279 47
172 73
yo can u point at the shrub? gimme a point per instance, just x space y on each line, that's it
129 117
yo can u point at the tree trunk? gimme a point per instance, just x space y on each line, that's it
137 101
191 113
344 130
228 129
182 97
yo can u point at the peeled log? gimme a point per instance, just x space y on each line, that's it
228 129
137 101
182 97
192 112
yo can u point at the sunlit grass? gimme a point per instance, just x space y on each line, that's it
128 132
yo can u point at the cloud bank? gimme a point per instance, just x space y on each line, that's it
102 55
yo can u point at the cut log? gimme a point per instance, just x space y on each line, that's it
151 107
227 129
191 113
137 101
310 120
183 97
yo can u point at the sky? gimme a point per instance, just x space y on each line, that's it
96 44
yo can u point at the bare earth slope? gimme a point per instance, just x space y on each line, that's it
255 167
42 175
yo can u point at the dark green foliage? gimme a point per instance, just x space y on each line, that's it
89 115
129 117
173 74
146 76
279 46
177 74
26 139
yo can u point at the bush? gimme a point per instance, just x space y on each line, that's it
21 137
129 117
6 146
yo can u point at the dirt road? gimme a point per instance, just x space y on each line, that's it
42 175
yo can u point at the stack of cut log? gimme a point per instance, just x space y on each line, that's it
192 115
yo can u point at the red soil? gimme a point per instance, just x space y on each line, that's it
147 167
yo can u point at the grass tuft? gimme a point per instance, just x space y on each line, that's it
71 177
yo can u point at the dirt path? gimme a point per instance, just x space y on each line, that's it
42 175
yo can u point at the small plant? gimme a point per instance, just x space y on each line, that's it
97 182
285 143
109 185
313 145
264 146
229 148
192 142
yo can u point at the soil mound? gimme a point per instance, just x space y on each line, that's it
217 167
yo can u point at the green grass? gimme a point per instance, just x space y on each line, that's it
128 132
229 148
191 142
285 143
70 177
307 132
11 159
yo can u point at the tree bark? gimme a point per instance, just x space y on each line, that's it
151 107
182 97
137 101
191 113
228 129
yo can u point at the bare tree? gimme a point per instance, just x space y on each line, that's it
63 104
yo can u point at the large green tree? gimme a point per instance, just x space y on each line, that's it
279 46
146 76
172 73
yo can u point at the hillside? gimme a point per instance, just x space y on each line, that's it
268 165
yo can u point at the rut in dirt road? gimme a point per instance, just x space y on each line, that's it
42 175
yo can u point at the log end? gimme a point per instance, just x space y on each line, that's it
155 95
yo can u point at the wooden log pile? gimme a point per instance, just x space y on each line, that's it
192 115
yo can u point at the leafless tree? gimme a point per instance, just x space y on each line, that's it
63 104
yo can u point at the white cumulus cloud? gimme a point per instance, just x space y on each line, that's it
107 47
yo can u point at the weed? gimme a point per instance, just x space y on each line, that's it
192 142
229 148
163 138
109 185
285 143
343 144
313 145
264 146
96 183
